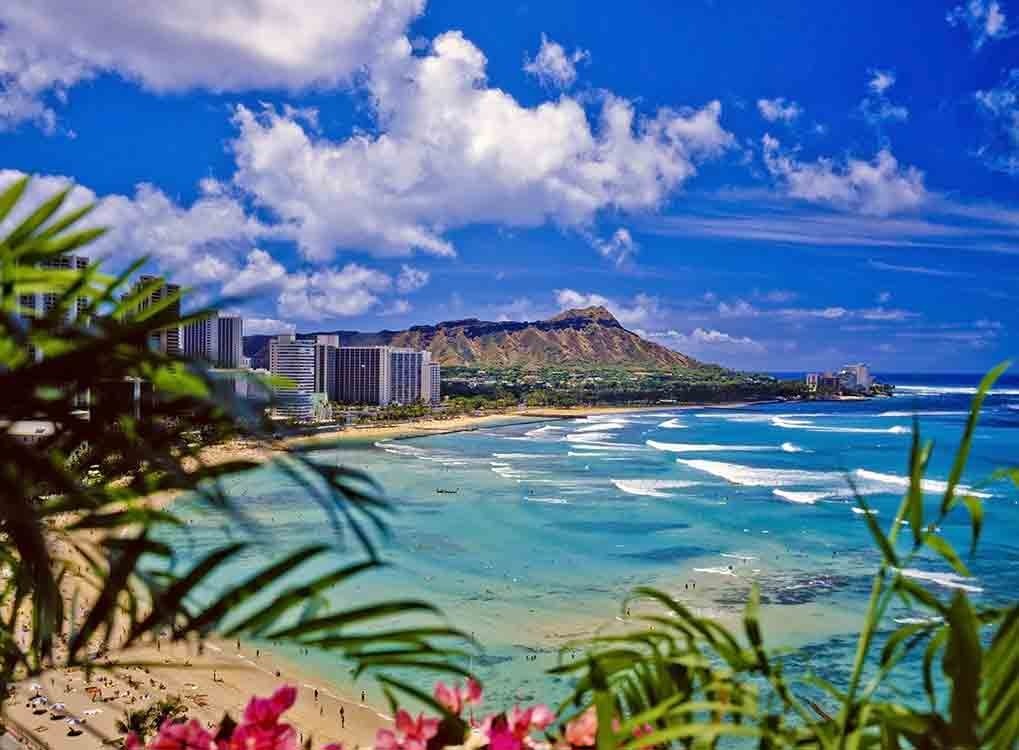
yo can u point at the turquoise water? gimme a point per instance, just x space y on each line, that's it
553 523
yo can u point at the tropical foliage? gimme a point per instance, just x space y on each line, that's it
80 533
83 569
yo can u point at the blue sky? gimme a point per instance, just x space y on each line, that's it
770 186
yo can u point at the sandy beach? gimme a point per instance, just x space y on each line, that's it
212 680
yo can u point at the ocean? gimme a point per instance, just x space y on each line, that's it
549 525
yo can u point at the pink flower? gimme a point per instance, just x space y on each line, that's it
456 698
267 711
583 731
177 736
132 742
411 734
511 731
261 729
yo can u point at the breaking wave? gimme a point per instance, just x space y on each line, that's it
927 485
650 487
672 424
806 424
948 580
806 498
706 447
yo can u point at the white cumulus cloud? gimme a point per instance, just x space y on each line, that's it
774 110
267 326
618 248
881 80
411 279
454 151
553 66
196 243
878 187
1000 106
46 46
984 19
707 342
329 292
640 310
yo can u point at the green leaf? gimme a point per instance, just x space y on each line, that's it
962 664
975 506
10 196
36 218
962 454
919 456
887 551
944 548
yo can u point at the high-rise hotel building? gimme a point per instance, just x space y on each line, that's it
40 304
405 369
231 341
166 339
326 348
218 339
362 375
294 360
431 387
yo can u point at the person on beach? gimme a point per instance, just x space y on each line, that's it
343 718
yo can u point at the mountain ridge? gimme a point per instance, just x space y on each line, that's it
574 337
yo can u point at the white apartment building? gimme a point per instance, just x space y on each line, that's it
294 360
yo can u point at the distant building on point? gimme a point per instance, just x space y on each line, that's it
855 377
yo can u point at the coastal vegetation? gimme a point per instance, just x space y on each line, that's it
84 574
615 386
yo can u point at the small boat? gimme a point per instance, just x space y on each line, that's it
447 492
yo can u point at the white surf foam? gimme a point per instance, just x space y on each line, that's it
805 498
946 390
549 500
543 432
601 426
589 437
934 413
519 455
705 447
927 485
672 424
917 620
948 580
601 446
716 571
791 448
650 487
750 476
806 424
860 511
